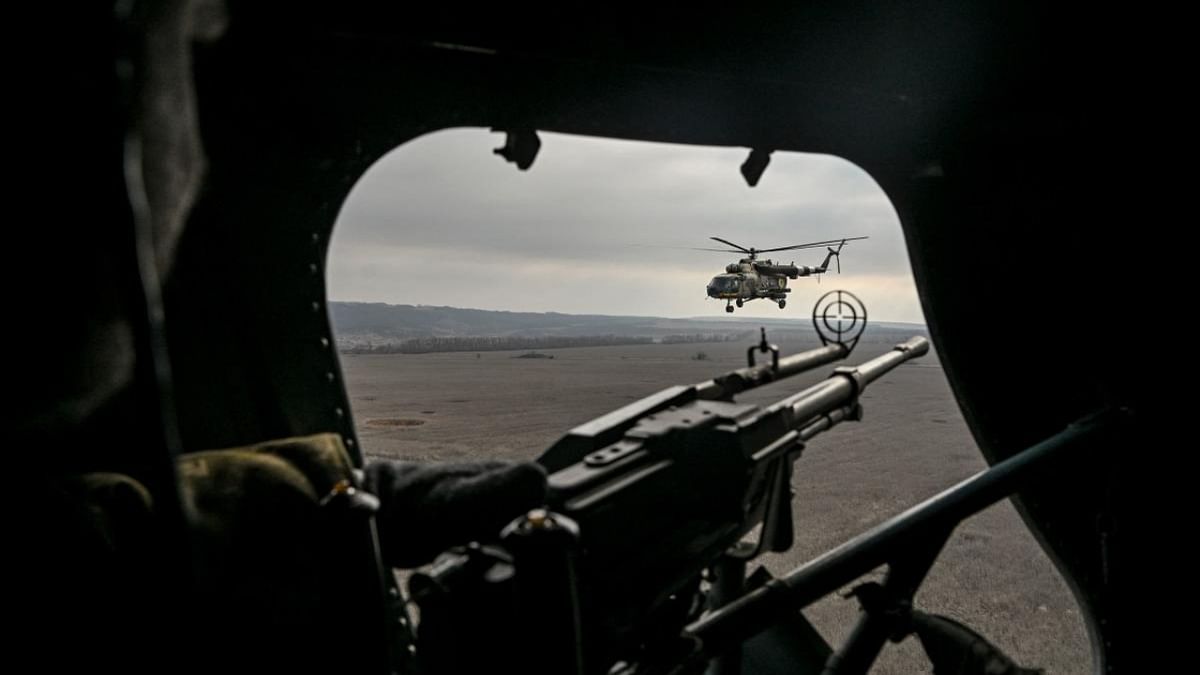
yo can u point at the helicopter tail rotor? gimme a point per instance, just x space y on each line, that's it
836 253
838 257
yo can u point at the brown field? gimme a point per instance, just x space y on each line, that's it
912 443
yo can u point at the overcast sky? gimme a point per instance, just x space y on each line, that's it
589 228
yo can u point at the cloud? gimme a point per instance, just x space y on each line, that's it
601 226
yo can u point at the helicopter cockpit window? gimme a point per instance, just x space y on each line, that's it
481 311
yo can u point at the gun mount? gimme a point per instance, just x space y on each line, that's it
681 489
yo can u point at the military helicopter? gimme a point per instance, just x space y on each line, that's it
750 278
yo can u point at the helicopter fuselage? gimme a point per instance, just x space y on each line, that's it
751 280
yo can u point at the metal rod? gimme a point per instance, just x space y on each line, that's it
886 611
867 639
762 607
729 584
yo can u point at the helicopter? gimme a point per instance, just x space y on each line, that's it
750 278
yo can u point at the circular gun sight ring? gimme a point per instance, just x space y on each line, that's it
839 316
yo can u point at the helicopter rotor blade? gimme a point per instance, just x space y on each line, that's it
687 248
813 244
730 243
816 244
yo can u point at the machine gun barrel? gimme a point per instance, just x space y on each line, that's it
846 383
607 429
725 386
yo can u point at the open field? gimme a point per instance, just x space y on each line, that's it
912 443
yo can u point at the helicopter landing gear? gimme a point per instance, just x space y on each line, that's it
729 308
739 302
782 304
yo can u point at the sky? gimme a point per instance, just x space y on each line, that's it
600 226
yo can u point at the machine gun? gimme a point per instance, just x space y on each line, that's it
638 561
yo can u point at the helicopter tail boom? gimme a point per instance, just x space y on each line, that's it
833 253
789 271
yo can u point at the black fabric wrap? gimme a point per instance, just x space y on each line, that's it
428 508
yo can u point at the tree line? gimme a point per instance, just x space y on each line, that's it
488 343
424 345
692 338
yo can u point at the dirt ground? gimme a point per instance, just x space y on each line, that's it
912 443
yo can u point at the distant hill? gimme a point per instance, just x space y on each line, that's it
408 321
360 323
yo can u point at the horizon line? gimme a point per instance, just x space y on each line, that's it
807 318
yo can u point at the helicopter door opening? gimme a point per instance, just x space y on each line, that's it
480 311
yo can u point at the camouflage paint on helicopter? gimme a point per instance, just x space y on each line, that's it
751 279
